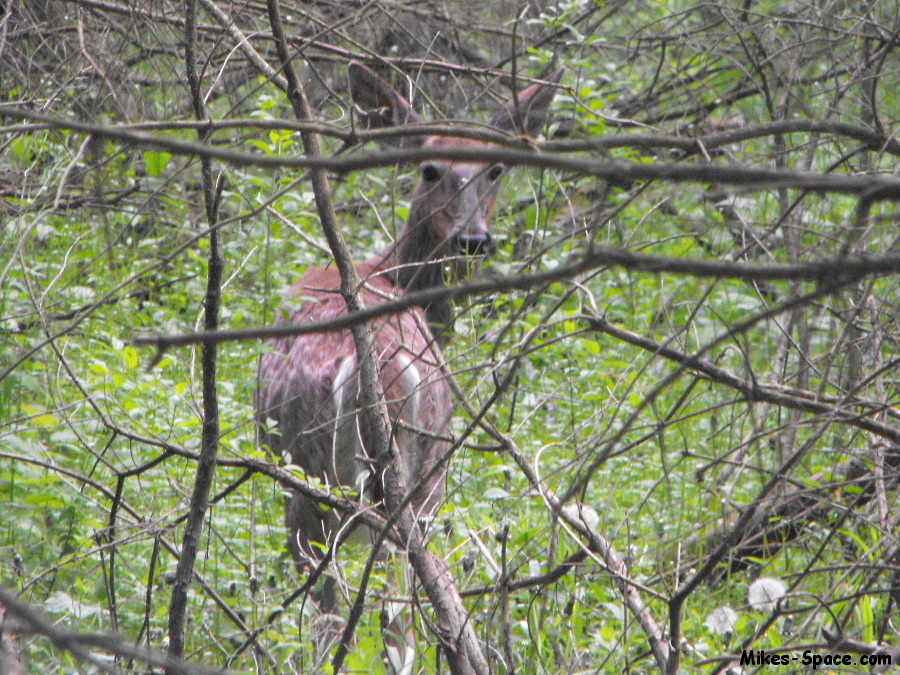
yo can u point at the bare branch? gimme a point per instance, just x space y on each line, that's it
825 272
747 178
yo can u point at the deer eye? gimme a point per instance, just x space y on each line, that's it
495 172
430 173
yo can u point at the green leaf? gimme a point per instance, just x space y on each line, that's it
130 355
44 499
41 417
157 161
98 368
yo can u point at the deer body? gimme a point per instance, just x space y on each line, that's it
309 385
316 402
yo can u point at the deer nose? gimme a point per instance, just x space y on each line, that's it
473 244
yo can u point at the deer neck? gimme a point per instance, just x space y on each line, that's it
411 266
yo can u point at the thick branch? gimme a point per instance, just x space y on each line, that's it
206 467
688 144
595 258
709 173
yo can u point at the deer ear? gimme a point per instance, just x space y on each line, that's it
533 110
378 103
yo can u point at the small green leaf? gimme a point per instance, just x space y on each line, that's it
131 357
45 500
99 368
157 161
41 417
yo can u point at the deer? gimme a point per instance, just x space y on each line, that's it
308 396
